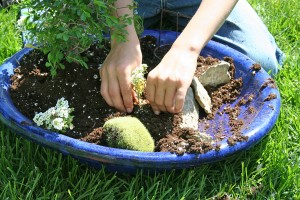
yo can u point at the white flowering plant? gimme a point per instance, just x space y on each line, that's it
138 79
56 118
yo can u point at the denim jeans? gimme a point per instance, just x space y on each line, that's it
243 30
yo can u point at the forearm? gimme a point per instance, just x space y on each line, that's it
122 9
209 17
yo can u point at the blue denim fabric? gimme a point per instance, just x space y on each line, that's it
243 30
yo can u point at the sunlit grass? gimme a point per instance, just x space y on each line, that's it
10 40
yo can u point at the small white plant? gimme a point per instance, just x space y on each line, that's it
138 79
56 118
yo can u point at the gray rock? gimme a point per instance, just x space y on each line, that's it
190 111
201 95
216 75
190 117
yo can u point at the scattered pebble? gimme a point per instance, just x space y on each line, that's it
270 97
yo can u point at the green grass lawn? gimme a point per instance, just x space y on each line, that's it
269 170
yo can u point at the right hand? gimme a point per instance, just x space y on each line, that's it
168 82
115 73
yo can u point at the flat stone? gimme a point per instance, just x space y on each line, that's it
190 111
201 95
216 75
190 117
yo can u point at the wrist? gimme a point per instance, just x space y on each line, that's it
129 34
190 42
124 12
192 49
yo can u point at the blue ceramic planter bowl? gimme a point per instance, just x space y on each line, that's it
255 127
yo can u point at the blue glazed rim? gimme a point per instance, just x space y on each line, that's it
129 161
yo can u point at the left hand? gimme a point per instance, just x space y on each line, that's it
168 82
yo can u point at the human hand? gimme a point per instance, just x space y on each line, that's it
115 74
167 83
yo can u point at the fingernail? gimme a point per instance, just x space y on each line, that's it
128 110
157 112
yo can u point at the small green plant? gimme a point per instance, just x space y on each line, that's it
56 118
138 80
63 29
128 133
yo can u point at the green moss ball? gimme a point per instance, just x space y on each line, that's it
128 133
